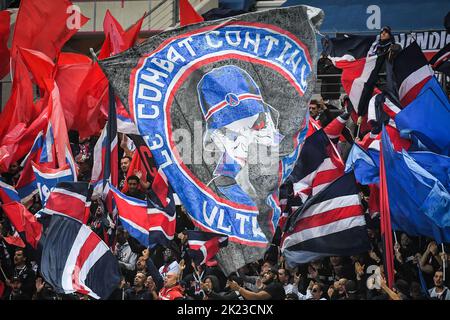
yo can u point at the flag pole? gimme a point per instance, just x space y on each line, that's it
3 272
443 261
385 218
359 126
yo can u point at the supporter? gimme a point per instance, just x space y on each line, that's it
272 289
439 291
150 285
84 167
119 292
125 256
124 165
138 291
44 291
168 287
133 188
315 291
430 262
416 292
16 292
211 285
24 273
170 262
284 276
12 175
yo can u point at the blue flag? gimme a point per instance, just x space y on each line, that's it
365 165
420 204
427 118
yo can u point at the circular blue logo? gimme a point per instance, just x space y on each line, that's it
232 99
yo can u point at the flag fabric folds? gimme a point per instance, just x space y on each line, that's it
317 166
24 222
427 118
330 223
359 63
47 178
419 202
188 15
145 220
203 246
385 218
440 60
411 71
75 259
8 193
71 199
226 74
4 36
45 25
364 164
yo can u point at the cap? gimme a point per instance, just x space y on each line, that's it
387 29
228 94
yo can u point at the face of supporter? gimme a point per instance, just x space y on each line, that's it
121 237
265 267
313 110
404 240
140 264
149 283
19 258
14 168
124 165
16 286
282 276
208 284
384 35
132 186
170 280
167 255
341 286
268 277
438 279
335 261
316 292
139 279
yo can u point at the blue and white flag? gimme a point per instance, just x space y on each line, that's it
47 178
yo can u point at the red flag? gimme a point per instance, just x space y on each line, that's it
24 221
4 36
130 36
58 123
92 99
188 15
72 70
40 66
19 140
116 39
160 187
385 221
20 107
45 25
136 165
14 240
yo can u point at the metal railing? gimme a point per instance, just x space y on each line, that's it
161 14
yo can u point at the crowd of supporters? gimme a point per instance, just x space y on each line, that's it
169 273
